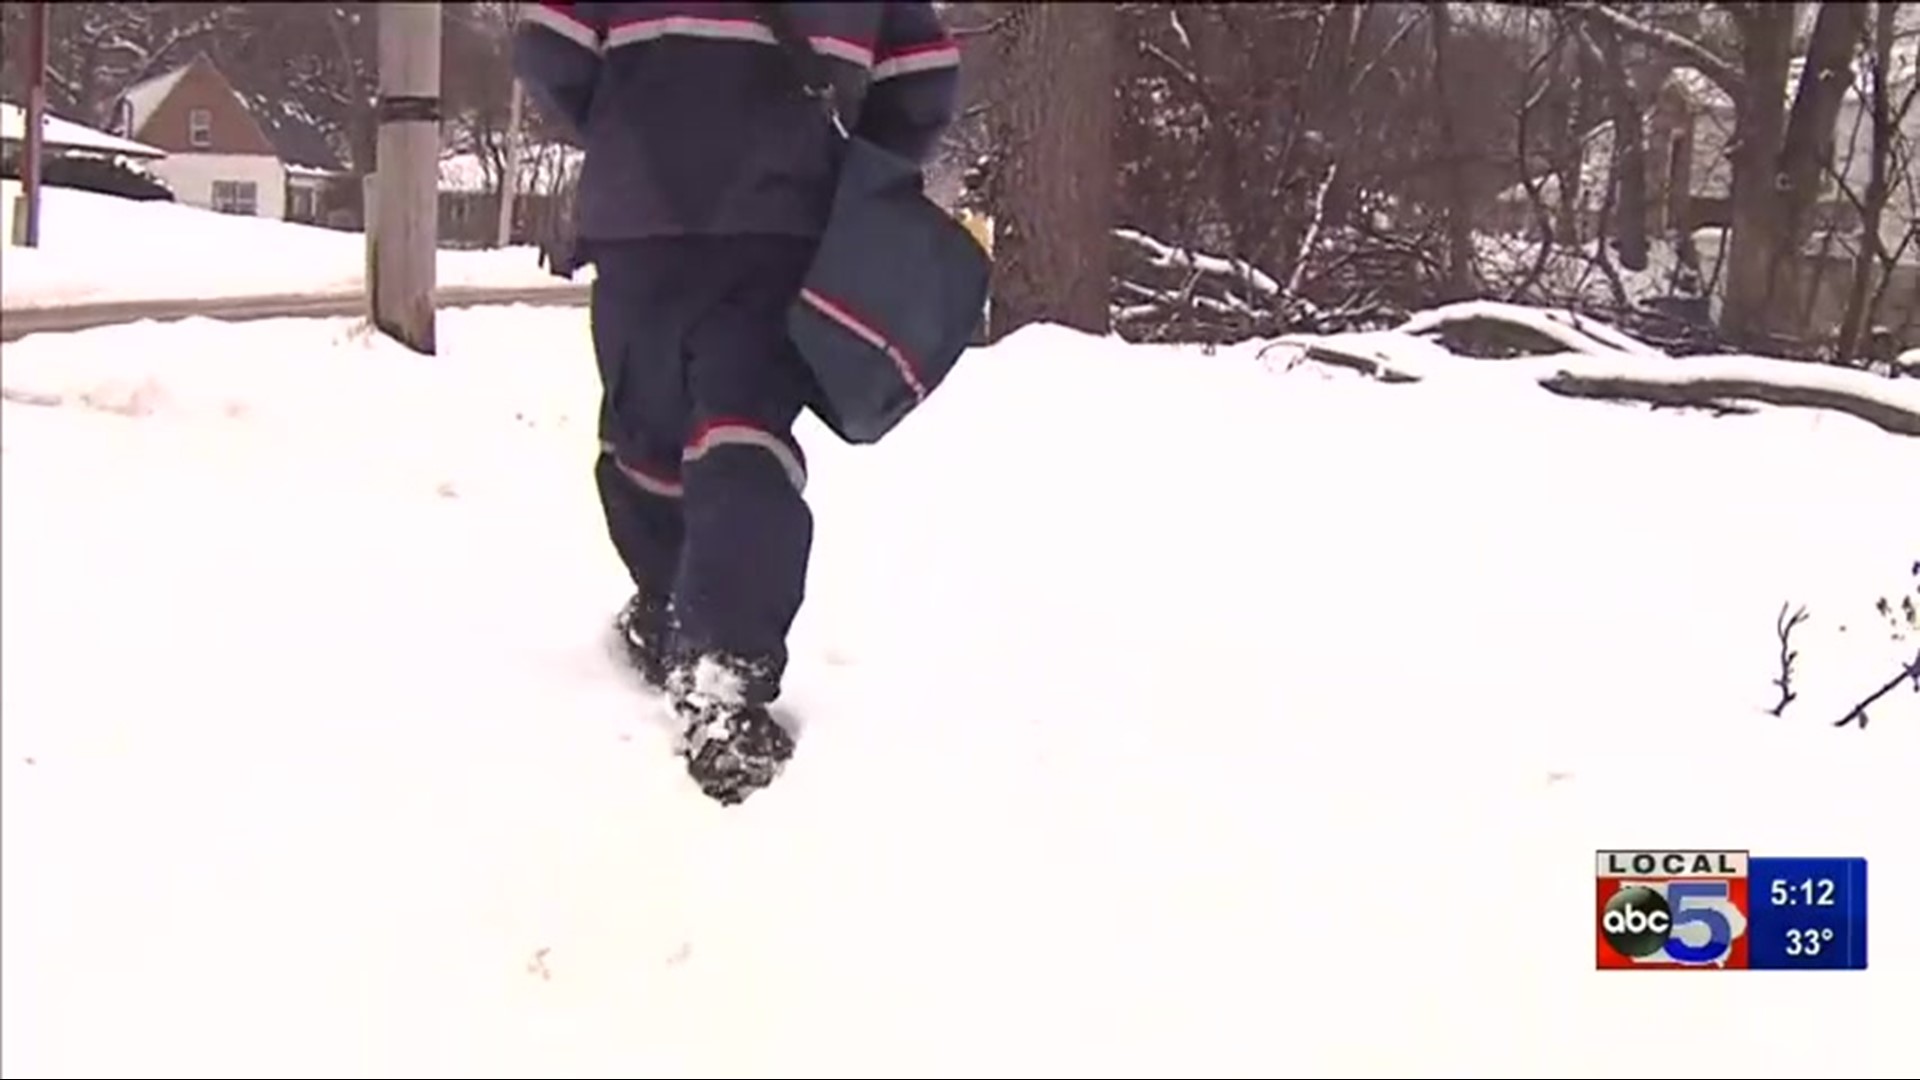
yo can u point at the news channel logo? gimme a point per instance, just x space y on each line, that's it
1672 909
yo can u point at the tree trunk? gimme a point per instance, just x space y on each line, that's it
1052 189
1567 149
362 131
1631 211
1778 159
1220 79
1459 220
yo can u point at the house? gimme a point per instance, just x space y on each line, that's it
319 190
59 135
219 157
77 156
1689 132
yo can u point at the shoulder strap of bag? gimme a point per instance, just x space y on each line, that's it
809 67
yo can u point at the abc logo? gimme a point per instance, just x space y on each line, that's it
1637 922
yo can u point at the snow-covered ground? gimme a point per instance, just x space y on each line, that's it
1167 714
100 248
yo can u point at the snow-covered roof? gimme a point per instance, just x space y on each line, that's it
64 133
146 95
300 139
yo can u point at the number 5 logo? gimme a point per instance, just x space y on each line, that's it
1709 895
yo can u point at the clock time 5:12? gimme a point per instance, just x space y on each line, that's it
1811 892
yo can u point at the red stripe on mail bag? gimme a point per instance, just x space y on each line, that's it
908 373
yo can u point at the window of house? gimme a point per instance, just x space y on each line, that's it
236 197
200 127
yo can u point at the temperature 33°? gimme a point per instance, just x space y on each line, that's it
1808 942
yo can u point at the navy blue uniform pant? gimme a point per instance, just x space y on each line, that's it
699 474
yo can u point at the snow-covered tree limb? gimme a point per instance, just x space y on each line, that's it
1710 392
1585 358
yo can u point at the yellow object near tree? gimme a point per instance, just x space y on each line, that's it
981 226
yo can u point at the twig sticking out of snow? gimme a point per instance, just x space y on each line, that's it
1783 627
1858 714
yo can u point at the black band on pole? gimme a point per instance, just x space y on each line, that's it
408 108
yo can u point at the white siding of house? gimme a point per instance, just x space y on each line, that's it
191 177
1853 155
1713 132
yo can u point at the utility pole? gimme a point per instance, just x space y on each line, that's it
26 232
516 106
404 226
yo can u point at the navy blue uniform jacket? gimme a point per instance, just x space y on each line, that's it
693 122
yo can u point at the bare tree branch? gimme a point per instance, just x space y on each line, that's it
1724 74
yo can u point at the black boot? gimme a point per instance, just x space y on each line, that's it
733 745
645 629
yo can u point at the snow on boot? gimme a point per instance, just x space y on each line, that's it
645 630
733 745
740 754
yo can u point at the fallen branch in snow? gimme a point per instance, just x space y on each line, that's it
1579 357
1783 627
1859 712
1501 329
1167 292
31 397
1327 352
1161 287
1714 393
